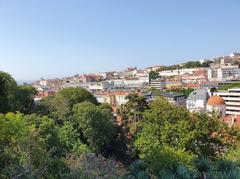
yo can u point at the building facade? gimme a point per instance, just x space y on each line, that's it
232 100
223 73
197 100
159 83
175 98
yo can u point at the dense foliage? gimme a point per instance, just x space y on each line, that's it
13 97
153 75
71 135
172 135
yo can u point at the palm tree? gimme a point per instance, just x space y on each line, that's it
203 166
176 172
137 170
226 169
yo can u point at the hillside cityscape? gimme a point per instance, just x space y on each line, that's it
179 121
107 96
187 85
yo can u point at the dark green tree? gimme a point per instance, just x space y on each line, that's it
192 64
95 125
137 170
153 75
25 99
132 112
207 63
8 89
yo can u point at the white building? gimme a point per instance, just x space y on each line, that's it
117 82
114 98
223 73
43 82
179 71
232 100
197 100
100 86
91 86
159 83
133 82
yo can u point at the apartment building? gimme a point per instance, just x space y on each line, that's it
179 71
173 83
175 98
159 83
223 73
91 86
197 100
232 100
43 92
133 82
116 98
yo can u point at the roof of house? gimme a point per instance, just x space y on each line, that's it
201 94
232 120
215 101
171 94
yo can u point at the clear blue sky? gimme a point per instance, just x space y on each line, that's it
55 38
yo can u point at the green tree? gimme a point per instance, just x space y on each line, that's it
22 152
60 106
192 64
94 125
25 99
212 137
234 153
51 135
172 135
132 112
153 75
8 88
207 63
14 136
166 131
15 98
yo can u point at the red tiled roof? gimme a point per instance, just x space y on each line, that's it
229 119
215 100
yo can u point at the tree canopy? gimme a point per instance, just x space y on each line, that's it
169 130
153 75
60 106
8 89
94 124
